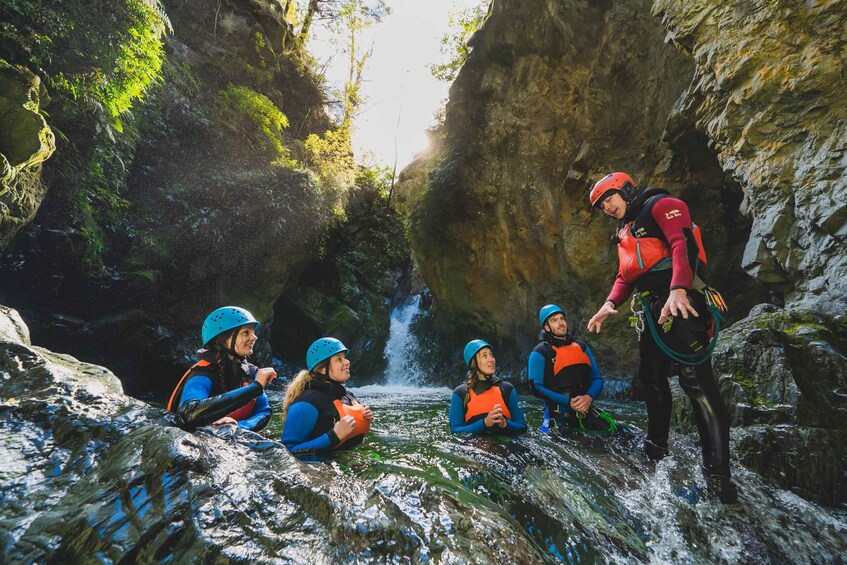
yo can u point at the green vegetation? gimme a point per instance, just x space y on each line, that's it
379 232
345 290
257 117
454 44
147 156
97 59
331 158
100 54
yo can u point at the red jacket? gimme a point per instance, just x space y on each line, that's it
655 233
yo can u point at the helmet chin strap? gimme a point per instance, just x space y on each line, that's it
231 349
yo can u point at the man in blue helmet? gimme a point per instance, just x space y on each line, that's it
222 387
562 371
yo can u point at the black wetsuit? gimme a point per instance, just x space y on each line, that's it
202 401
312 416
698 382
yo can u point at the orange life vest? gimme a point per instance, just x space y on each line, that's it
569 355
362 425
571 372
481 404
241 414
637 255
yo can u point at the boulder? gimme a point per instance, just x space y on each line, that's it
783 374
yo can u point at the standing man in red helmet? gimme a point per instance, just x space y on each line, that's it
660 252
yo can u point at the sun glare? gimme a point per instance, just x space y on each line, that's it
401 95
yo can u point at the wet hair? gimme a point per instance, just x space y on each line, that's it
473 376
299 384
222 367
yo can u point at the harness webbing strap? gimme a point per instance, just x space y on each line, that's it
682 358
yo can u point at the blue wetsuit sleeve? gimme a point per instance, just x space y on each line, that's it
517 423
457 418
299 425
535 371
198 387
596 378
260 417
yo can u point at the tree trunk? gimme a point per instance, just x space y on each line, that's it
307 21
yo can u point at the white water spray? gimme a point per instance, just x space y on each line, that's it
401 349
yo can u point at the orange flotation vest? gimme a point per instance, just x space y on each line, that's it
362 425
637 255
482 404
241 414
571 369
569 355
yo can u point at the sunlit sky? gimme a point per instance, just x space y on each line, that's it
397 81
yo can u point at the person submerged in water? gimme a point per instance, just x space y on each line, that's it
484 404
562 371
318 413
222 387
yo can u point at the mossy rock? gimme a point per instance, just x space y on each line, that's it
26 141
810 461
26 138
786 362
326 312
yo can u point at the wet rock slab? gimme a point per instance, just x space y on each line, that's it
91 474
783 375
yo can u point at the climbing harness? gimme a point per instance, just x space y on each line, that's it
637 319
716 304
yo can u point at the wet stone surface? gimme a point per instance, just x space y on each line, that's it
90 474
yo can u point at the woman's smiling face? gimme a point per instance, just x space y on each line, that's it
339 367
245 339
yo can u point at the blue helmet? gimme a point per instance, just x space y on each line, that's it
473 347
547 311
322 349
225 319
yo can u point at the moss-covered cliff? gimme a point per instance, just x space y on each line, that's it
203 182
552 96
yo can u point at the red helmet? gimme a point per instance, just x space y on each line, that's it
610 184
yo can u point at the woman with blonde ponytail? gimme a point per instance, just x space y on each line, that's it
295 388
484 404
318 413
222 387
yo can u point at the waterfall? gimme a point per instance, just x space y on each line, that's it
401 349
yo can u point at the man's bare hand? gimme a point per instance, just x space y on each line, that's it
596 321
677 305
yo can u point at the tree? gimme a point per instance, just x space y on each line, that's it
332 155
454 44
333 10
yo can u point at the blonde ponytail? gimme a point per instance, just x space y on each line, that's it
295 388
